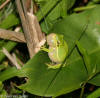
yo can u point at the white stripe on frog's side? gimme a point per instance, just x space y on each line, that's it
58 54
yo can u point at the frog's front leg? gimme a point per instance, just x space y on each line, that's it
45 49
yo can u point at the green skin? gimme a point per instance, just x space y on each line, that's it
58 50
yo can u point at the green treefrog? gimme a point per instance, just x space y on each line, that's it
57 51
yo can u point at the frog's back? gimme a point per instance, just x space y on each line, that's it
58 54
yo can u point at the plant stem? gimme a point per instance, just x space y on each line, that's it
83 88
9 46
12 35
84 8
6 2
82 92
89 78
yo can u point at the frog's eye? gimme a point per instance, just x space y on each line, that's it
58 43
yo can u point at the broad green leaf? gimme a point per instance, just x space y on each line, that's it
63 6
49 82
86 58
90 41
8 73
70 77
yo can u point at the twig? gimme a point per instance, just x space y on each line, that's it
12 35
18 36
38 36
15 60
25 28
6 2
31 32
31 9
35 33
12 58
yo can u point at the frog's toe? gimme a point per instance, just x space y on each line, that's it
53 66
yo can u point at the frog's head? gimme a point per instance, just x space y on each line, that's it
54 39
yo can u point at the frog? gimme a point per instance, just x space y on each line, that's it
57 50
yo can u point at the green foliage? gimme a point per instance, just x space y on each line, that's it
86 58
2 91
82 62
95 94
1 1
45 82
9 22
2 67
60 10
